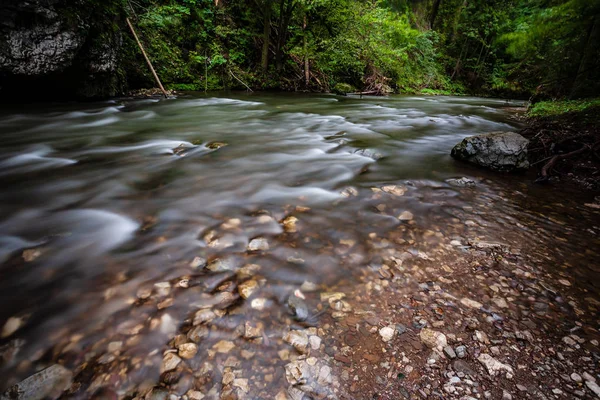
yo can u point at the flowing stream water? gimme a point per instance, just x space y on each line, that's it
110 211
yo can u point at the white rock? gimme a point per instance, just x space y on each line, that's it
482 337
168 326
241 384
258 244
576 377
433 339
593 387
405 216
195 395
324 375
500 302
387 333
11 326
162 288
315 342
494 366
195 263
298 339
471 303
588 377
258 304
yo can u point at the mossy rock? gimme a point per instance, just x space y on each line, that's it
343 88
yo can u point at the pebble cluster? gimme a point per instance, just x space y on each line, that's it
421 311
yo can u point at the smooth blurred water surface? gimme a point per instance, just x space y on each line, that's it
121 194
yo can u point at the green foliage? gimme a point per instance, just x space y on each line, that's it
493 47
555 108
556 45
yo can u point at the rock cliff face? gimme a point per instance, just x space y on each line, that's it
56 49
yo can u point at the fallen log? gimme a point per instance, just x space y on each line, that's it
544 174
147 59
368 93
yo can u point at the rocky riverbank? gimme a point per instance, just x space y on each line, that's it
438 311
565 145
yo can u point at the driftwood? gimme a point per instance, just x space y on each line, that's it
369 93
240 81
544 174
147 59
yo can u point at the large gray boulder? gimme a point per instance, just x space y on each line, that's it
500 151
49 383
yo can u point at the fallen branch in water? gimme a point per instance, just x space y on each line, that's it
240 81
369 93
546 168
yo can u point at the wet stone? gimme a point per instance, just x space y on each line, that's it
298 339
198 333
224 346
405 216
461 182
246 289
219 265
204 316
253 330
11 326
297 306
158 393
187 350
195 395
197 262
258 244
170 362
48 383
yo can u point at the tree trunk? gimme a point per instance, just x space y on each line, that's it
305 48
459 59
266 34
592 36
434 12
285 14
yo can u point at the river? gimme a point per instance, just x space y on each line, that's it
127 227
